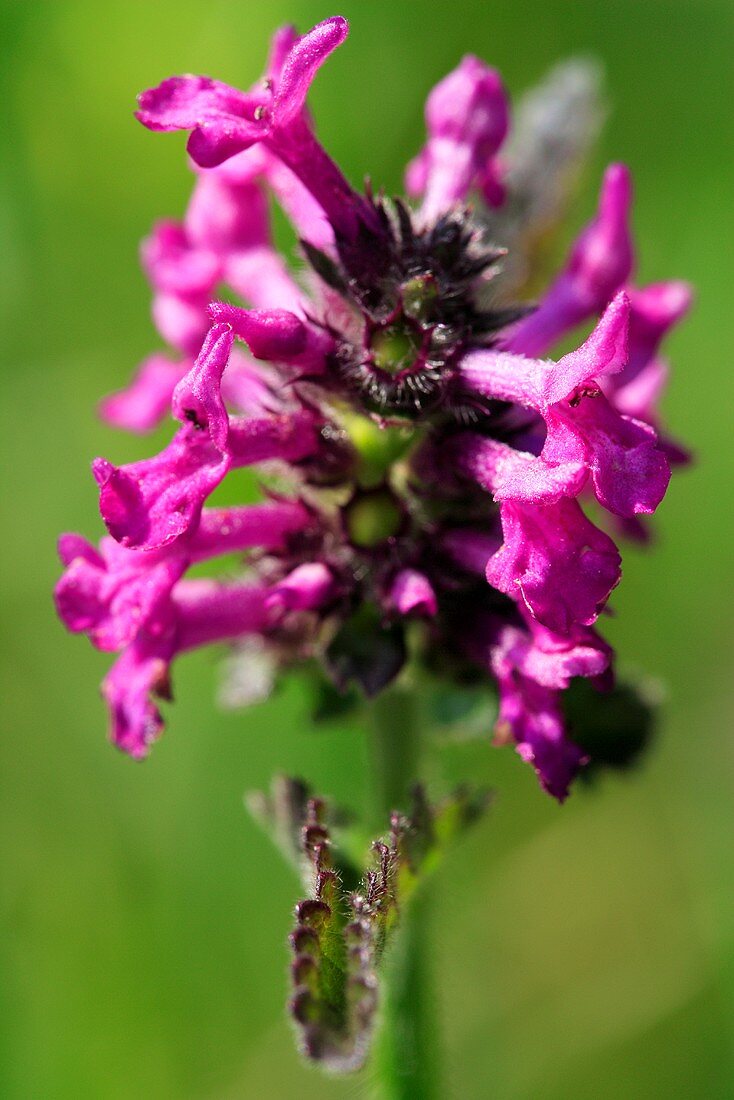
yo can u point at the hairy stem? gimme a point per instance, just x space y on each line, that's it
405 1049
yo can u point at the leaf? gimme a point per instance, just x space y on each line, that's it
340 935
366 651
614 727
324 267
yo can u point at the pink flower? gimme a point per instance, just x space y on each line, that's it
533 666
552 558
224 121
198 612
467 117
149 504
585 435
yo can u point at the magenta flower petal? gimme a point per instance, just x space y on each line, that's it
629 470
181 322
305 214
198 398
655 310
140 673
289 437
306 588
603 256
556 561
531 668
531 715
230 218
604 352
151 503
208 611
184 102
225 122
467 117
539 384
552 559
113 602
300 65
71 546
412 593
224 530
516 475
147 400
248 388
225 216
281 43
277 335
552 660
174 264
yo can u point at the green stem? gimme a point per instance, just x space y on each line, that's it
405 1049
395 751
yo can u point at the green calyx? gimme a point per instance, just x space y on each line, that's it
419 296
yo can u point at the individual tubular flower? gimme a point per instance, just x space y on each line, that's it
426 470
110 592
585 434
149 504
224 239
467 117
533 666
554 127
531 715
552 557
654 311
224 122
198 613
135 601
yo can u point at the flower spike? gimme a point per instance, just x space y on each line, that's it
424 465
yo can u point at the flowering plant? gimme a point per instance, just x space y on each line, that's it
425 464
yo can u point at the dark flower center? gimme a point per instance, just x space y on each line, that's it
419 293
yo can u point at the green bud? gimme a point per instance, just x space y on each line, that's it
373 518
419 295
378 448
394 348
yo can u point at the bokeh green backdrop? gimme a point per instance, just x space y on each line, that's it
581 952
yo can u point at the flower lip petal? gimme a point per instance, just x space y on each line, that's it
212 143
198 396
604 352
301 64
185 102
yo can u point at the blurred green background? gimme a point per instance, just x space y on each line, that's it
582 952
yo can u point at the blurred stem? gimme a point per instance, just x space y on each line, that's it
395 751
405 1048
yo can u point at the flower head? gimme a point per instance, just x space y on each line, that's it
426 468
